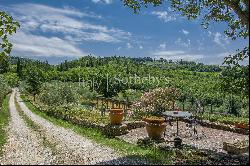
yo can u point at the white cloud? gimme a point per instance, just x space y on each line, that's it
177 55
67 21
119 48
200 44
210 33
164 15
168 53
185 32
224 54
186 43
140 47
103 1
167 15
129 46
219 39
163 45
23 9
41 46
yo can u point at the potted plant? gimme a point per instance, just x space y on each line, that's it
151 105
155 126
116 116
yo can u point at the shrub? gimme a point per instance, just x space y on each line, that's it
58 93
4 89
130 95
156 101
12 79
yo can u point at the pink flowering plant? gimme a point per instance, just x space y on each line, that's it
155 102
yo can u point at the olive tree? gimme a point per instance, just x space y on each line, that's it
34 79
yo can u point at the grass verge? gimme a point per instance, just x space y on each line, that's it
152 155
35 127
26 119
4 119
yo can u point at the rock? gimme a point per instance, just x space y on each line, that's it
236 147
115 130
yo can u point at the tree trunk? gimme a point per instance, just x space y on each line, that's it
243 15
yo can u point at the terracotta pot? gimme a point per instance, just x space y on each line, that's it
155 130
116 116
241 125
154 119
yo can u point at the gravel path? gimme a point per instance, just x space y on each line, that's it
71 148
208 138
23 146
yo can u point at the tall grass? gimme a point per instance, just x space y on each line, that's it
4 119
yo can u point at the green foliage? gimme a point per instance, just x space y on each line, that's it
58 93
234 60
19 68
226 119
137 4
4 119
34 79
71 112
23 86
64 100
4 89
7 27
235 80
12 79
4 64
202 87
129 95
85 95
233 105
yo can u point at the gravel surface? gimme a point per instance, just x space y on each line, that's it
71 148
23 146
207 138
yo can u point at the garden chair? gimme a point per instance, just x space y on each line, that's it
193 132
169 120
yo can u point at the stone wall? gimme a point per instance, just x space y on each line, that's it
109 130
220 126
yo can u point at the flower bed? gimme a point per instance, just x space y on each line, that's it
86 118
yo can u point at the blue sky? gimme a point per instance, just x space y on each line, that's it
67 29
